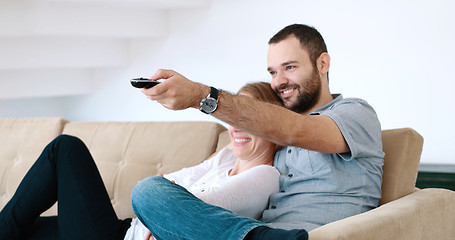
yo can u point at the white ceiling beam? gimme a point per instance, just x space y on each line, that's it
155 4
38 18
47 52
16 84
56 45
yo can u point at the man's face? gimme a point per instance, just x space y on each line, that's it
294 78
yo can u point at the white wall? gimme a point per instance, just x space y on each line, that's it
397 55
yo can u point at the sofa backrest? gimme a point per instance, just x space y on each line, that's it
223 140
126 152
21 142
402 148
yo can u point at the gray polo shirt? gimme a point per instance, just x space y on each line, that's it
318 188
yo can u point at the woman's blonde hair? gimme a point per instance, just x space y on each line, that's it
261 91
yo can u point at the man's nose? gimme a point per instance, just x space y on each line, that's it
279 80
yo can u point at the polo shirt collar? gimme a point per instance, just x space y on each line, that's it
336 98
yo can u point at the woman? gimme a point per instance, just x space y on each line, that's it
65 172
218 180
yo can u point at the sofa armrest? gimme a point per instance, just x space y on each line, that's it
424 214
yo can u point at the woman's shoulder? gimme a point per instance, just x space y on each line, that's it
224 156
263 169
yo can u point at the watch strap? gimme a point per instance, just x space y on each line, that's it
211 100
213 93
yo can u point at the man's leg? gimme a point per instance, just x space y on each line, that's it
171 212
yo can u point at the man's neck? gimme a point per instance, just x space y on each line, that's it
323 100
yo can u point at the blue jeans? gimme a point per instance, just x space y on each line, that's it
169 211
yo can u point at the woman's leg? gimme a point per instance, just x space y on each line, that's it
65 171
43 228
171 212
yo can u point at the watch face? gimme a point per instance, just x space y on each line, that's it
209 105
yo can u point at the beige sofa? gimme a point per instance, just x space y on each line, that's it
126 152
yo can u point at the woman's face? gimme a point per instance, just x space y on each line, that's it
247 146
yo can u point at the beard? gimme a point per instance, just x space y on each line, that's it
306 97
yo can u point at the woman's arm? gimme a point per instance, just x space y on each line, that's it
246 194
188 176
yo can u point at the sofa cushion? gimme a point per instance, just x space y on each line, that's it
126 152
22 141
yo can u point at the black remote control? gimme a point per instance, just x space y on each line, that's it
143 82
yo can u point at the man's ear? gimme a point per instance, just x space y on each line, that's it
323 63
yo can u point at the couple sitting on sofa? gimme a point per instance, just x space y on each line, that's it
240 178
331 167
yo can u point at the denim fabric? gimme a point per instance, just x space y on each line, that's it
171 212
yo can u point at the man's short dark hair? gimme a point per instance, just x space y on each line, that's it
310 39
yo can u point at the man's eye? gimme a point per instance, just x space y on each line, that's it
272 73
289 67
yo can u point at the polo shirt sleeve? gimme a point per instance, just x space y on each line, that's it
359 126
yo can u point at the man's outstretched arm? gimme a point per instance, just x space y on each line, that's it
275 123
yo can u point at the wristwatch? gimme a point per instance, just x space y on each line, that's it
210 103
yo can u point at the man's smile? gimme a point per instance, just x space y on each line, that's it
287 92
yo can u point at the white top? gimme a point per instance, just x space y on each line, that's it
246 194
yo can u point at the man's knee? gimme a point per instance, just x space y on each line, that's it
148 191
145 193
146 187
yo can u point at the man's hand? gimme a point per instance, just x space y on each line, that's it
176 92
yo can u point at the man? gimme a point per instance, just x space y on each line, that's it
331 169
